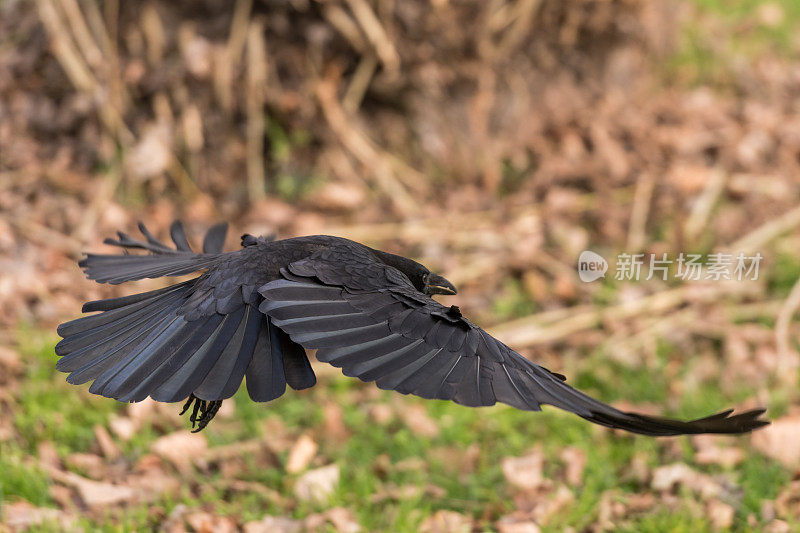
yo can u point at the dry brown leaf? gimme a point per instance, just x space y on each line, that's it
777 526
203 522
787 504
301 454
575 459
715 449
780 440
150 479
771 14
727 457
669 477
381 413
123 427
107 445
48 455
415 416
22 515
180 448
407 492
139 412
90 464
720 514
524 472
343 520
273 524
317 485
446 522
334 422
640 502
553 505
510 524
10 364
95 494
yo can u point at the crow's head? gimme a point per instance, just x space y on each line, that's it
424 280
433 283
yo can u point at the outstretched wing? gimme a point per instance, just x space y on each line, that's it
200 337
163 260
367 318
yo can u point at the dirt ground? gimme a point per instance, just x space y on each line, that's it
493 141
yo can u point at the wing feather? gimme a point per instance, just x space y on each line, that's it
407 342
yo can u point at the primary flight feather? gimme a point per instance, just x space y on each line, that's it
253 313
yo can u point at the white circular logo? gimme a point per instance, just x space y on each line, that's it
591 266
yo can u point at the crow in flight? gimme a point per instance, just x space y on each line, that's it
253 313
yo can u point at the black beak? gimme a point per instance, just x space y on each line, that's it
438 285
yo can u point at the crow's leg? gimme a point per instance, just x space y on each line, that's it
202 413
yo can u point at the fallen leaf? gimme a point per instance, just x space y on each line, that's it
415 416
575 459
553 505
509 524
780 440
10 364
273 524
90 464
524 472
721 514
787 504
777 526
152 483
180 448
727 457
139 412
175 520
343 520
95 494
714 449
317 485
203 522
381 413
22 515
669 477
123 427
48 455
771 14
446 522
301 454
334 422
107 445
639 502
407 492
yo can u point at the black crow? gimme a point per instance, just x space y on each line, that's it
253 313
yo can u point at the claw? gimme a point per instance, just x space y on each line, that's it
187 404
207 414
202 413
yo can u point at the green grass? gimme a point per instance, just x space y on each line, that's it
50 410
21 477
726 31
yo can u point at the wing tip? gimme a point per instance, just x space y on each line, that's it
722 423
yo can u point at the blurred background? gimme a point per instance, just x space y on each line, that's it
493 141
